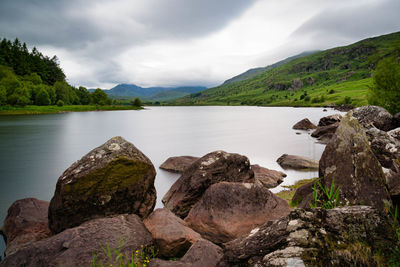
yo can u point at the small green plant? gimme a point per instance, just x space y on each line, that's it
116 258
60 103
325 197
394 259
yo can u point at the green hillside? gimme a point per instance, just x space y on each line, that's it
336 76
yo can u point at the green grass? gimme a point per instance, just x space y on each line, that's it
288 194
30 110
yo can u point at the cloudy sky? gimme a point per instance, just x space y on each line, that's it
101 43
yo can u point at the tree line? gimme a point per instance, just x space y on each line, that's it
30 78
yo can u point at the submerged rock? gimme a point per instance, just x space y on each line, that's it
328 120
114 178
297 162
349 161
344 236
202 253
212 168
374 116
229 210
325 133
266 177
171 234
178 164
304 124
26 222
77 246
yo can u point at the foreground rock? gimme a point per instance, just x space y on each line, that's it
303 195
26 222
178 164
328 120
373 116
266 177
202 253
229 210
349 161
325 133
345 236
76 246
297 162
212 168
304 124
114 178
171 235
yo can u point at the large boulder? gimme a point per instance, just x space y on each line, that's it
171 234
304 124
229 210
325 133
178 164
113 178
349 161
328 120
297 162
202 253
344 236
79 245
212 168
374 116
26 222
266 177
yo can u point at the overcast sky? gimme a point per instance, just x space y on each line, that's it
101 43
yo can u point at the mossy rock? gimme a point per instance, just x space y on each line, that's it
114 178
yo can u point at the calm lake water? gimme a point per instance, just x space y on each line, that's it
36 149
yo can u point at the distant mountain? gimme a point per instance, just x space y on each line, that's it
254 72
151 93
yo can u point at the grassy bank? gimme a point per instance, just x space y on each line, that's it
30 110
291 189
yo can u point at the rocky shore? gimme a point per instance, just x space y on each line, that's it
220 212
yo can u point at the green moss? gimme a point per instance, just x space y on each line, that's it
120 173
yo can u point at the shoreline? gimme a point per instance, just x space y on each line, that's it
40 110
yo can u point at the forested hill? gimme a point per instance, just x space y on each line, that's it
336 76
31 78
23 62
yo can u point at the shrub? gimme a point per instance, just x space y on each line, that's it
60 103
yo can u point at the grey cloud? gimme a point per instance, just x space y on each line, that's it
351 23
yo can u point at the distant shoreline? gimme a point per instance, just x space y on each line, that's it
37 110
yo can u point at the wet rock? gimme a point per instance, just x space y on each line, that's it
304 124
171 234
297 162
114 178
178 164
395 133
350 162
266 177
202 253
344 236
26 222
212 168
301 194
373 116
229 210
325 133
77 246
385 147
328 120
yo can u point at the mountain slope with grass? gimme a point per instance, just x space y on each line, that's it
335 76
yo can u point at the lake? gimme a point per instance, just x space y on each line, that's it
36 149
